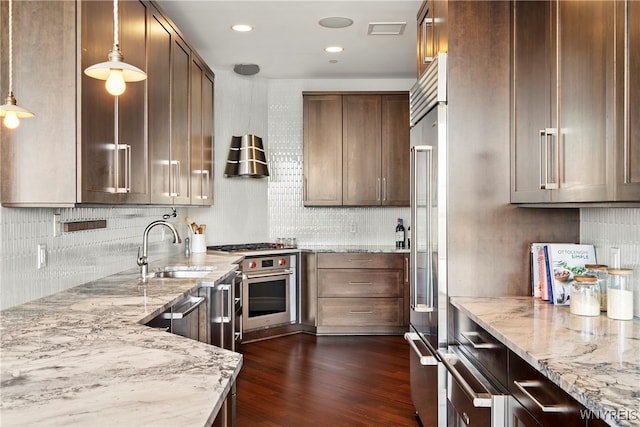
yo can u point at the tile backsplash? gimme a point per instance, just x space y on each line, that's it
620 228
244 209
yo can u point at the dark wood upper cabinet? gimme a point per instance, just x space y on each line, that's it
572 136
87 145
356 148
202 85
113 136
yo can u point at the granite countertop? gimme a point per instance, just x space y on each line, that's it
594 359
353 248
84 357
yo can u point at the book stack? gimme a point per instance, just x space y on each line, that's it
553 266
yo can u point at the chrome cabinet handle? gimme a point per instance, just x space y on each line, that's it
360 283
531 384
429 46
127 169
428 360
194 303
205 179
474 344
360 312
378 189
546 154
384 189
479 400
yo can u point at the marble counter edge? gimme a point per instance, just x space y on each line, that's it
543 364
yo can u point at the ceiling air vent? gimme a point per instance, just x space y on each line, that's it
386 28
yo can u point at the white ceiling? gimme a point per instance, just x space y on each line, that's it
287 41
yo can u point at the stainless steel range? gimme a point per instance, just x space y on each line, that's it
269 285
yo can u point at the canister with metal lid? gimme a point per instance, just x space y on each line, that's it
620 294
601 272
585 296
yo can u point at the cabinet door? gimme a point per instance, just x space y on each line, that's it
179 164
531 107
628 147
361 147
159 84
201 135
432 32
586 94
322 150
168 82
113 137
395 150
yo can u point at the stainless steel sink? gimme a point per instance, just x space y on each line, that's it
183 272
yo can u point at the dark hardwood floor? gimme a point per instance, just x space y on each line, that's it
303 380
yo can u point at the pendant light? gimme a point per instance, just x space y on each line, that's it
10 111
115 71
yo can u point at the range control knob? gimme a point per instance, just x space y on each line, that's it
282 261
252 264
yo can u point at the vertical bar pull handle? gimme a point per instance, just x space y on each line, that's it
549 177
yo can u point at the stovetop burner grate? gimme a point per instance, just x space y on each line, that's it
243 247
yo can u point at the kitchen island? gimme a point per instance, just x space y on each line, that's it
596 360
84 356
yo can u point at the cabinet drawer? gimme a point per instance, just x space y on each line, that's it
481 347
552 405
360 311
359 283
360 260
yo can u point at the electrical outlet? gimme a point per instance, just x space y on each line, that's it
42 255
353 227
57 225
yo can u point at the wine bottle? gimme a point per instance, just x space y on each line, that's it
400 234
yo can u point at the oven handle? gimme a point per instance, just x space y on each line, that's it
479 400
260 275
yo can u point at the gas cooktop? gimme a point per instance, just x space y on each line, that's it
243 247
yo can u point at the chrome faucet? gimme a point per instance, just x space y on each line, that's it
142 259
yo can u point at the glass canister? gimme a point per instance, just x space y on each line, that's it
585 296
601 272
620 294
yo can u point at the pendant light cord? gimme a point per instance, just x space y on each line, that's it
116 40
10 47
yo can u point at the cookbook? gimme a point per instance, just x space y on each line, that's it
563 261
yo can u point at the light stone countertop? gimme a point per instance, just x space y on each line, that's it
594 359
84 357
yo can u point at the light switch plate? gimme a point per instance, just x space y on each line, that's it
42 255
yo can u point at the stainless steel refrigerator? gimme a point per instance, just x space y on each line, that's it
466 237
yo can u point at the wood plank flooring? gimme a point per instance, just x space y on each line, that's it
303 380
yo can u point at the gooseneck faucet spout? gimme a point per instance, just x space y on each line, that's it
143 259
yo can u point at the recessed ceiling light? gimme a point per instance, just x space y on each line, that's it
333 49
242 28
335 22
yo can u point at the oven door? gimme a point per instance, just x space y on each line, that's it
266 299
